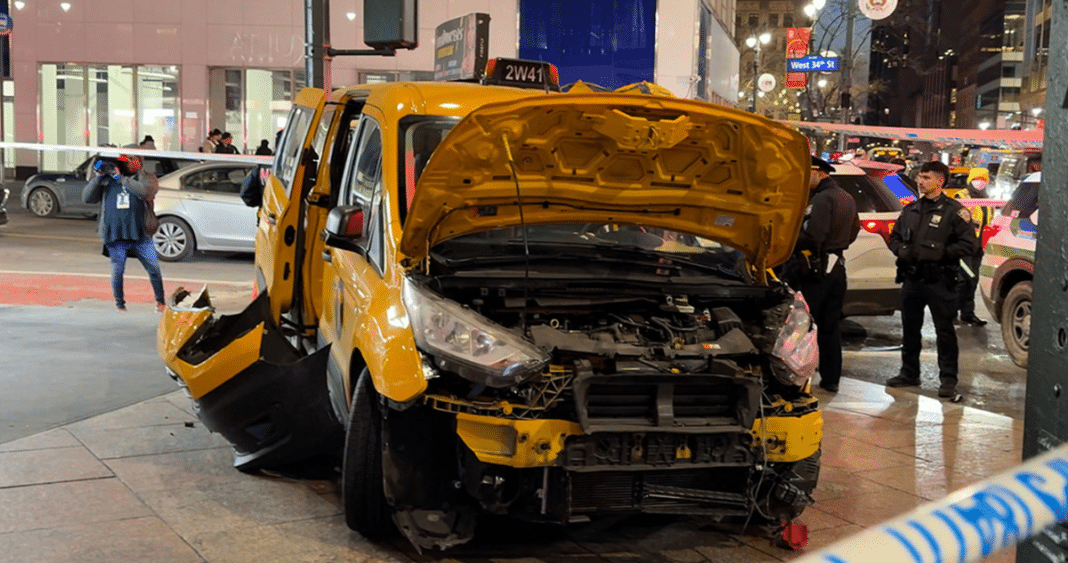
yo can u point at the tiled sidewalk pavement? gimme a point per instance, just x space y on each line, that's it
149 483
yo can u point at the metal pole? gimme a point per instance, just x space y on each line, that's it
847 72
314 39
756 64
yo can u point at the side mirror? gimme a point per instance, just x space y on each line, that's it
344 229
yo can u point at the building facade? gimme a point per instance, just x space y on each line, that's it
93 72
1035 58
774 17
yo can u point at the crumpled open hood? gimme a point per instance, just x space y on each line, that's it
647 160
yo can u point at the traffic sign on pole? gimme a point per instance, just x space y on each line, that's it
812 63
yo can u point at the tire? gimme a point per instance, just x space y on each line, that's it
362 492
1016 322
42 202
174 240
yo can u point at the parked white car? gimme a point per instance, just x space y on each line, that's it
870 266
200 208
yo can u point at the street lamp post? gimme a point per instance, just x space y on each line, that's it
754 42
847 72
812 11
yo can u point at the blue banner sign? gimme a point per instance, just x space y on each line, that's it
812 63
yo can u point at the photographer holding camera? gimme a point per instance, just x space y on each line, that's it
122 222
930 237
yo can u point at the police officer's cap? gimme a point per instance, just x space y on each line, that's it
822 165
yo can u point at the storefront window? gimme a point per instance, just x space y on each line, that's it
112 112
252 104
158 105
63 88
9 121
106 105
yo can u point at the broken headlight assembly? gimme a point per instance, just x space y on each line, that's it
796 354
467 343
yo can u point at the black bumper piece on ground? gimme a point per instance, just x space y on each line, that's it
275 414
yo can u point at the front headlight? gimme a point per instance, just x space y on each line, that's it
796 354
463 341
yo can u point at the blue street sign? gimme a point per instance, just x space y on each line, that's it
812 63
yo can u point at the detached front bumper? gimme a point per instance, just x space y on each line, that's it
247 382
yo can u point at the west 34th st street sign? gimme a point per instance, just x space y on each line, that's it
812 63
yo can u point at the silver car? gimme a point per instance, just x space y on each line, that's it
200 208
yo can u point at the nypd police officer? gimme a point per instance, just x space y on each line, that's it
818 270
930 237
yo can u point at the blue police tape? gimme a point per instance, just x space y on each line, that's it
969 524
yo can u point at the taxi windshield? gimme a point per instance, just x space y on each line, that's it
419 137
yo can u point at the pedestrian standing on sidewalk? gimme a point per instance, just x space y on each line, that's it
930 237
122 224
225 145
978 178
211 142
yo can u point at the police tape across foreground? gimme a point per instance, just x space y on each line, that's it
970 524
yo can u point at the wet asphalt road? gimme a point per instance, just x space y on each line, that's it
66 354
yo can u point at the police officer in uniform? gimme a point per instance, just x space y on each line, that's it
831 224
930 237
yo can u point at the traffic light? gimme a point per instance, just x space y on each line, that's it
390 24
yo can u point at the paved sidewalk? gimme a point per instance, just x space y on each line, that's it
148 483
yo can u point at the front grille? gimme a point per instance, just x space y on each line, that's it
662 492
657 450
683 402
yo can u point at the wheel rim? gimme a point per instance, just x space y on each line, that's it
170 240
41 202
1021 324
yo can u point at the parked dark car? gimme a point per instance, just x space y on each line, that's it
48 194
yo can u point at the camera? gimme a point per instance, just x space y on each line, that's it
105 167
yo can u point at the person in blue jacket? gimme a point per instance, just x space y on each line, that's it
122 224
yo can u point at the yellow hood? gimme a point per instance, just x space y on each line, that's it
622 158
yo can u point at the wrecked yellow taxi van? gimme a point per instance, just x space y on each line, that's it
551 305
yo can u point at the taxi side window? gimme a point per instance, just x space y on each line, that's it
368 164
363 186
288 156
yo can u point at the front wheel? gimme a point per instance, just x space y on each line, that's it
43 203
362 485
1016 322
174 239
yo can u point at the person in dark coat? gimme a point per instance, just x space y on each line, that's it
930 238
121 225
831 224
225 145
263 149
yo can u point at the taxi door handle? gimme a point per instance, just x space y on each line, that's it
196 197
272 219
327 256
